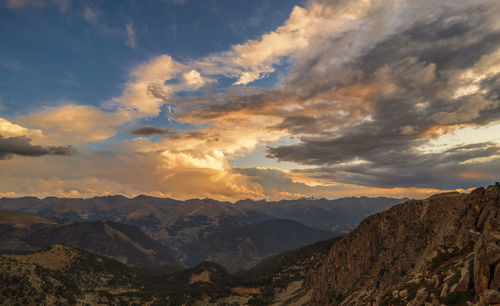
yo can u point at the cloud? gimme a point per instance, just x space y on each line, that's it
21 145
9 129
145 93
24 3
281 184
467 112
61 5
176 2
373 93
370 83
94 16
193 78
305 26
91 15
131 40
71 123
373 85
148 131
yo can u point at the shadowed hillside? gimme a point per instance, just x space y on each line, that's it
23 233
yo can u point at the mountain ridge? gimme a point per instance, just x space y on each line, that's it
184 225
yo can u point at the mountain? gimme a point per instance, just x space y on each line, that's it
339 216
23 233
244 246
184 225
444 250
63 275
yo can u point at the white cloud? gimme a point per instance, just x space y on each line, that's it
146 92
131 39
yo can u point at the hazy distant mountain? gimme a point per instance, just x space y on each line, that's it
340 215
244 246
21 233
444 250
185 225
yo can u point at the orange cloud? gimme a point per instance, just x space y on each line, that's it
475 175
75 124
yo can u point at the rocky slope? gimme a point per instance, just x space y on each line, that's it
21 233
441 250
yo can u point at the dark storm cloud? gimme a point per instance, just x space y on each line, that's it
21 145
424 62
152 130
149 131
445 170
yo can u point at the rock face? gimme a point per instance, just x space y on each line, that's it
444 249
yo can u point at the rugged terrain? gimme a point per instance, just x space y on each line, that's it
22 233
60 275
64 275
441 250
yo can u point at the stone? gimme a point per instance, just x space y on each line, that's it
403 294
435 279
463 283
421 295
444 291
496 278
490 297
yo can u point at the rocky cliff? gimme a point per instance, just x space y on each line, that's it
441 250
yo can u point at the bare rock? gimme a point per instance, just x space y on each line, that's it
444 291
398 247
421 295
403 294
490 297
463 283
496 278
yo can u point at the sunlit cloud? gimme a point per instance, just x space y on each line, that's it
9 129
76 124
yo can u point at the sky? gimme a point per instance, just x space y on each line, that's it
264 99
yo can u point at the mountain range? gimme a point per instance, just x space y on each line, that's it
443 250
236 236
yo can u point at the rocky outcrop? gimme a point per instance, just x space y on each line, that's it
442 249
